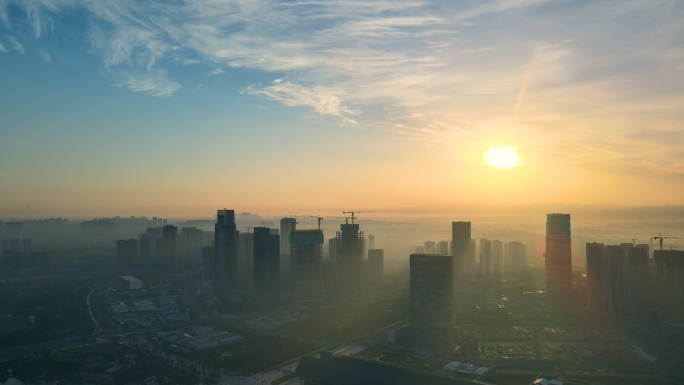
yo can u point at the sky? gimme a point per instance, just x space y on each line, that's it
278 106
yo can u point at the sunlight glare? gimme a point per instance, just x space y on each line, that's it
502 156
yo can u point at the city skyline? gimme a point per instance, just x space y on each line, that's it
188 106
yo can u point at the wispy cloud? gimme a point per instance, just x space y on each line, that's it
321 99
2 48
153 83
16 45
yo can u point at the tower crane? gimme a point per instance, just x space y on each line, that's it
661 238
319 220
355 212
634 239
248 228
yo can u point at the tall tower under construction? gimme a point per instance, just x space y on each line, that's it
350 257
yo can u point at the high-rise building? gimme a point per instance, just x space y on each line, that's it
637 280
375 265
226 271
371 241
267 264
471 261
350 257
429 247
670 285
190 244
460 246
306 255
617 278
497 259
597 277
286 225
558 256
442 248
168 247
431 284
246 261
486 262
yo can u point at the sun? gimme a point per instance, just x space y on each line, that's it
502 156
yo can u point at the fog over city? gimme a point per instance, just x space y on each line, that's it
341 192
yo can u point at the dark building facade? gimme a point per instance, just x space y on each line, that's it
431 285
226 272
267 264
558 256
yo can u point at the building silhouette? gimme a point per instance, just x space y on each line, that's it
226 272
431 285
267 264
306 256
558 256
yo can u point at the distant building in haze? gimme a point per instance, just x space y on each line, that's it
558 256
267 264
431 285
226 271
332 249
442 248
306 256
429 247
515 259
286 225
486 268
371 241
376 263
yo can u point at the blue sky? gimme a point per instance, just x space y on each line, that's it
132 105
